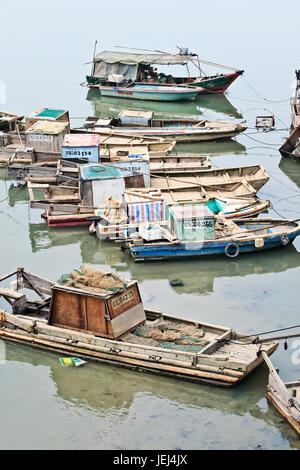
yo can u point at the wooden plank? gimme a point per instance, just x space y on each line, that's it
39 284
15 320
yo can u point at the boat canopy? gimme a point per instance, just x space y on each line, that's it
127 58
126 64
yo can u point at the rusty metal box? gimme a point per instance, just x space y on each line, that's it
109 316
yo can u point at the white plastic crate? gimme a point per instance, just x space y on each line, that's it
150 233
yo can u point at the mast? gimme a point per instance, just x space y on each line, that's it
93 63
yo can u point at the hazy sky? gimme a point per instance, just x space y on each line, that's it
44 44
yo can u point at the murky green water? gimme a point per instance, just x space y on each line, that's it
43 405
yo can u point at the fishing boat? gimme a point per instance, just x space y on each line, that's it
18 153
291 146
112 67
166 165
150 92
155 147
285 397
238 208
295 103
109 324
219 178
140 123
195 232
152 211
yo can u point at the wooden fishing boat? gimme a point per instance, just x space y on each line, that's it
291 147
284 396
113 327
141 124
220 178
151 92
156 147
295 103
195 193
238 208
166 165
228 238
112 67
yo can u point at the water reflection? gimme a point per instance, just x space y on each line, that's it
212 148
198 276
105 106
291 169
17 193
106 389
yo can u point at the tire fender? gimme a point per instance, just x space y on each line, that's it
284 238
232 250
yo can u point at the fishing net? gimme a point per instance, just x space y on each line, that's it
170 335
93 280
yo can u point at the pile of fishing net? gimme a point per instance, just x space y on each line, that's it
94 280
169 335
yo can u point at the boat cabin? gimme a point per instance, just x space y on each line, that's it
191 222
82 148
47 114
87 300
47 136
111 68
124 67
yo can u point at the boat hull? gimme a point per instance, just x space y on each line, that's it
168 251
191 135
151 94
201 368
217 84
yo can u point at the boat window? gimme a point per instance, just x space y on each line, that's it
103 70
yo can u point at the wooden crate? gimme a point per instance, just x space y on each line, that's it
109 316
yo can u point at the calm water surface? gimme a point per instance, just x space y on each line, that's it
43 405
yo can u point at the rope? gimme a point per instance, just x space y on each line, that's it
271 331
260 142
258 94
272 208
288 197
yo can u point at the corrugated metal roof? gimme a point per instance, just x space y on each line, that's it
51 113
99 171
81 140
113 57
48 127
